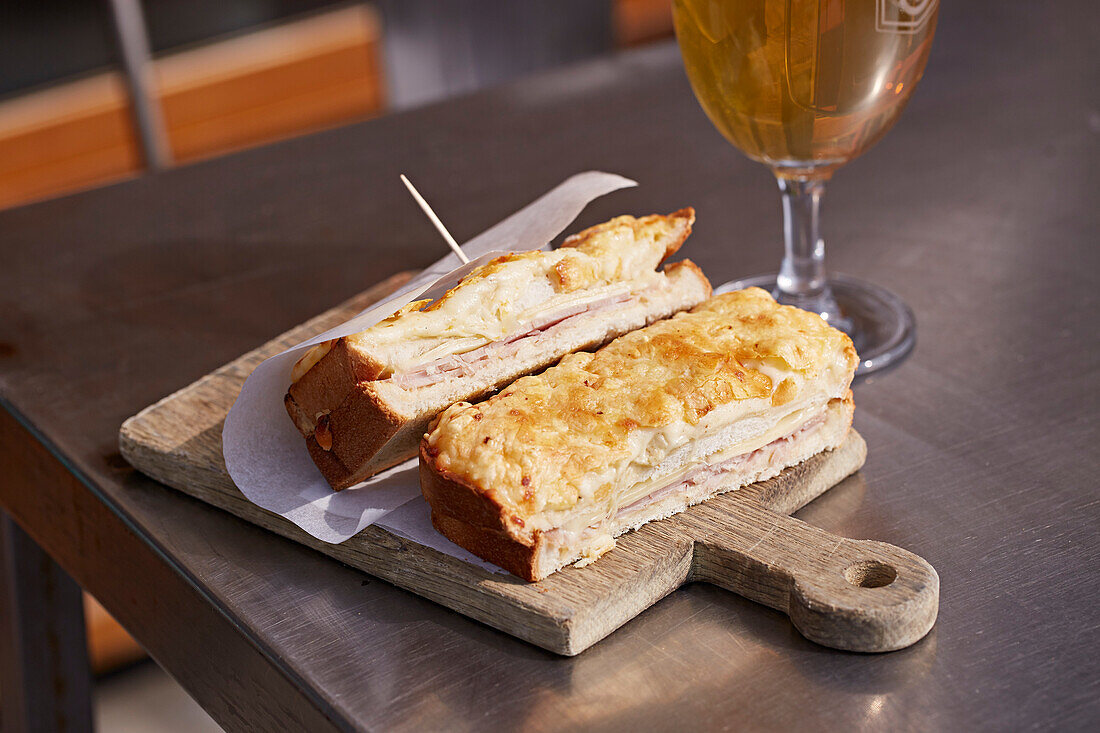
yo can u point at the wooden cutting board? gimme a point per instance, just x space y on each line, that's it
848 594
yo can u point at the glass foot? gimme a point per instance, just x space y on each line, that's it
881 325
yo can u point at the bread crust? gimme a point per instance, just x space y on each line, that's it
330 381
692 267
474 519
357 430
683 219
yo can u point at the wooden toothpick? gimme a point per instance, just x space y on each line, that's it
435 220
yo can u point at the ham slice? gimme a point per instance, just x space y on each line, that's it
465 365
774 452
704 482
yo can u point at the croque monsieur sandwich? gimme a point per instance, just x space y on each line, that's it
550 470
363 402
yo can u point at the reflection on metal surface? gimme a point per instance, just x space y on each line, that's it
703 644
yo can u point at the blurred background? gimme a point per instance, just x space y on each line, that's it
96 91
93 91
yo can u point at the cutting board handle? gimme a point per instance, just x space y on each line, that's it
858 595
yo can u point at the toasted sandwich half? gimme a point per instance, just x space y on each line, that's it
363 402
554 467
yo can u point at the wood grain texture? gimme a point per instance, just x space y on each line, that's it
846 594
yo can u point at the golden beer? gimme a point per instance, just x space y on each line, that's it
804 85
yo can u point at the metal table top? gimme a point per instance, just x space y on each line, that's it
979 208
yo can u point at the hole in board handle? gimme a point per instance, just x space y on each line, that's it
870 574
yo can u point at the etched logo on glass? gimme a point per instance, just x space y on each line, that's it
902 16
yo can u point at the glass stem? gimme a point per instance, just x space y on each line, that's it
802 280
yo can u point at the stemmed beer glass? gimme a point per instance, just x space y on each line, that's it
804 86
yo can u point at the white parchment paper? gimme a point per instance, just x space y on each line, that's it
265 454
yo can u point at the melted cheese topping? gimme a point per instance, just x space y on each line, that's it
651 403
502 296
594 512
